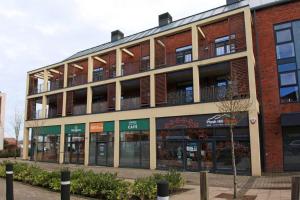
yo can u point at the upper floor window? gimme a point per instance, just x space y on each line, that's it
287 58
224 46
184 54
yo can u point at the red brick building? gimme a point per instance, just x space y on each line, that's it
277 32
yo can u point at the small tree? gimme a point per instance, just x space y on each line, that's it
234 102
36 129
16 124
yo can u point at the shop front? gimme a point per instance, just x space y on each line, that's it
134 143
194 143
101 143
45 143
74 143
290 123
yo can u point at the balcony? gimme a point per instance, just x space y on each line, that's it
37 89
135 67
100 107
79 109
212 94
76 102
180 97
56 84
77 80
131 103
54 105
56 78
104 66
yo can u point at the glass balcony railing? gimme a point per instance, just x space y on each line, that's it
130 103
38 89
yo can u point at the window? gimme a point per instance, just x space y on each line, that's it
184 54
287 65
98 74
224 46
285 50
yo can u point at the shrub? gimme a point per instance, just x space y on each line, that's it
97 185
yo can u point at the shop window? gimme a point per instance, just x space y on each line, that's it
184 55
291 148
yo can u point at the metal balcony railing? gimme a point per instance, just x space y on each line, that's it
135 67
99 107
103 75
36 114
77 79
130 103
56 84
180 97
211 50
172 59
37 89
212 93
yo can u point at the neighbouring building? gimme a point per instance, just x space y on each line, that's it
2 118
149 100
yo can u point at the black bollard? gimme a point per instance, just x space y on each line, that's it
9 182
162 190
295 188
204 191
65 185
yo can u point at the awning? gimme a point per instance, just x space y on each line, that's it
290 119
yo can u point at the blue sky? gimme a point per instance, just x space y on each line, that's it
35 33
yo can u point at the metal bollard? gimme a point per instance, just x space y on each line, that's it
162 190
65 185
203 186
295 188
9 182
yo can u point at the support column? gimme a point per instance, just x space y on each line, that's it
195 47
45 86
152 90
87 144
62 144
118 62
66 75
254 144
118 95
117 144
196 84
89 100
152 143
64 104
25 143
90 69
44 106
152 53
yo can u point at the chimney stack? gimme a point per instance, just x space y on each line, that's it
164 19
116 35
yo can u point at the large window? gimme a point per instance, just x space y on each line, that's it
291 147
287 58
224 45
134 149
47 148
74 148
184 55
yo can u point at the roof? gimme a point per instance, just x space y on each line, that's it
152 31
254 4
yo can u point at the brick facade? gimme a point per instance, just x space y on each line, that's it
267 69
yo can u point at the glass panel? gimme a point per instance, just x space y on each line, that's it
291 148
289 94
283 26
192 156
283 36
285 50
51 148
206 152
288 79
242 155
129 154
101 153
170 154
223 155
287 67
92 154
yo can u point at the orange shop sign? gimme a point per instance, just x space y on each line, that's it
96 127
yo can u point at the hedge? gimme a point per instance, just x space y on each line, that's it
96 185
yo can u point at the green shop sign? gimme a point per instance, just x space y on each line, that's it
75 129
134 125
109 126
47 130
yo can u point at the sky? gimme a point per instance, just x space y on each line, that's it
35 33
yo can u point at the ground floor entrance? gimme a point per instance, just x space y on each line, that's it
101 144
187 146
291 148
74 143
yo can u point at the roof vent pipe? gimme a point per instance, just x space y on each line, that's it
116 35
164 19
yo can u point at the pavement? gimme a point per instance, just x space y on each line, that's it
274 186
